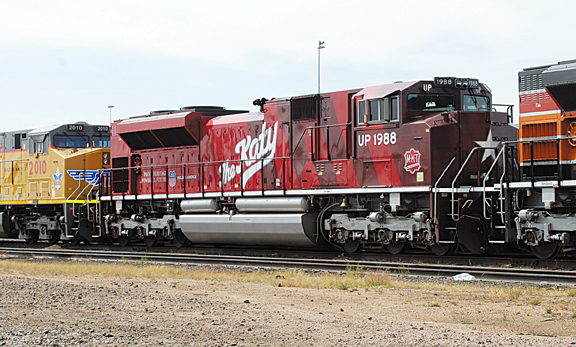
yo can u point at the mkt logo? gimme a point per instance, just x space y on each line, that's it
412 160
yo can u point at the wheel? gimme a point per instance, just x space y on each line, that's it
546 250
150 241
32 236
124 241
396 247
351 246
54 238
441 248
179 239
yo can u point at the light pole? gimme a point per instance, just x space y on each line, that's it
320 46
110 107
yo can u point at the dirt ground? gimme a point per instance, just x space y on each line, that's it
87 311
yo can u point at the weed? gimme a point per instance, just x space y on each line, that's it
513 294
404 271
573 315
535 302
434 304
142 260
548 310
352 271
571 292
343 286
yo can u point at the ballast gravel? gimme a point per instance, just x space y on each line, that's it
88 311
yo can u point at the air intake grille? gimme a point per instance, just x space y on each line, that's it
529 82
565 96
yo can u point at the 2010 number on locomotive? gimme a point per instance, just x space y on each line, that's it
37 167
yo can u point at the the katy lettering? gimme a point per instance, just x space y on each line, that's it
252 151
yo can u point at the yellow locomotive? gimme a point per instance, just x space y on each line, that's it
49 182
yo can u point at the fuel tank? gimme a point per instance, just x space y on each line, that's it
285 204
285 229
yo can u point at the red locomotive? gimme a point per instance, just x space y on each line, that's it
383 167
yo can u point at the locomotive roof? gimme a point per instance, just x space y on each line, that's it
381 91
44 129
235 118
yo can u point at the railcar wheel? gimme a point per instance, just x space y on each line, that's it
75 241
179 239
441 249
124 241
351 246
55 237
546 250
396 247
32 236
150 241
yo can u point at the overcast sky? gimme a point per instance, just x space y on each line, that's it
66 61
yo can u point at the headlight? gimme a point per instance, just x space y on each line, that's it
105 158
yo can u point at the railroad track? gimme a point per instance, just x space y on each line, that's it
336 265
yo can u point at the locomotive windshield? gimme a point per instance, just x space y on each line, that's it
71 141
476 103
100 141
430 102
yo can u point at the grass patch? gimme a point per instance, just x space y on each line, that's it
512 293
355 278
535 302
434 304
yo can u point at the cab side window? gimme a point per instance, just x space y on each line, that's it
379 110
362 117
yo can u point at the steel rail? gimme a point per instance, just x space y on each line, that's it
333 265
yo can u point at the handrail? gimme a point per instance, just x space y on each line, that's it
504 169
458 175
435 216
13 160
509 111
202 166
486 178
545 161
540 139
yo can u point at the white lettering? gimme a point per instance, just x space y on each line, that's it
254 152
379 139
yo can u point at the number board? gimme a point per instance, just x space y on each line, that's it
75 127
453 82
444 81
101 128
